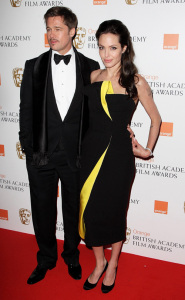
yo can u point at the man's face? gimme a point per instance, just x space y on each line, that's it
58 34
80 38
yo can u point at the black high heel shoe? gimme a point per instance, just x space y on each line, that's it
89 286
107 288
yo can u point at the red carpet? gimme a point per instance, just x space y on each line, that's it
138 278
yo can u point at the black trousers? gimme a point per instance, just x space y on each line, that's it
43 190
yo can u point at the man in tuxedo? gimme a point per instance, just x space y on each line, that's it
50 130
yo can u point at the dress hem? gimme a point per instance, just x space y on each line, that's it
104 243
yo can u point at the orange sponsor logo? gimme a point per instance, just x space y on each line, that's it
58 192
171 41
3 214
2 153
46 41
2 176
100 2
166 129
161 207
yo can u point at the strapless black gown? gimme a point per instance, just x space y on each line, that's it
108 166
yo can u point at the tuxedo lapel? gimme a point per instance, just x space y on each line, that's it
77 98
40 78
85 69
50 95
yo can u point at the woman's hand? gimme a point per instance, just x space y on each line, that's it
132 135
139 150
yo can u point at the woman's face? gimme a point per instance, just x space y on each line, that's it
110 50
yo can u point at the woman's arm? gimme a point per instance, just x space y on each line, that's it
146 99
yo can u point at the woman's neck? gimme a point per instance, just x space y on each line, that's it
113 72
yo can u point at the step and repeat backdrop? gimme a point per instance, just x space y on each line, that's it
156 217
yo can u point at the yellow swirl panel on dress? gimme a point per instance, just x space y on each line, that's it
106 88
86 191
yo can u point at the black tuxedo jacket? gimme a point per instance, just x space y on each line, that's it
41 127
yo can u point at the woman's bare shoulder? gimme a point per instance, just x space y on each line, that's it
140 81
95 74
143 88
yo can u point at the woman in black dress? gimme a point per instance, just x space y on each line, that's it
108 165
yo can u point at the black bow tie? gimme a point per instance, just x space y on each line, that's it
58 58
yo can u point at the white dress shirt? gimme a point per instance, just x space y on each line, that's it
64 82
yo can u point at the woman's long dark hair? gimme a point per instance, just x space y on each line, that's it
128 69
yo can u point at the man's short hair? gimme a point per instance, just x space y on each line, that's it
70 19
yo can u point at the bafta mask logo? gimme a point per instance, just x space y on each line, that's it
17 76
128 233
131 2
79 40
15 3
25 216
20 154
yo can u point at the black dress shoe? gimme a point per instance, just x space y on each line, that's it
107 288
38 274
75 271
89 286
